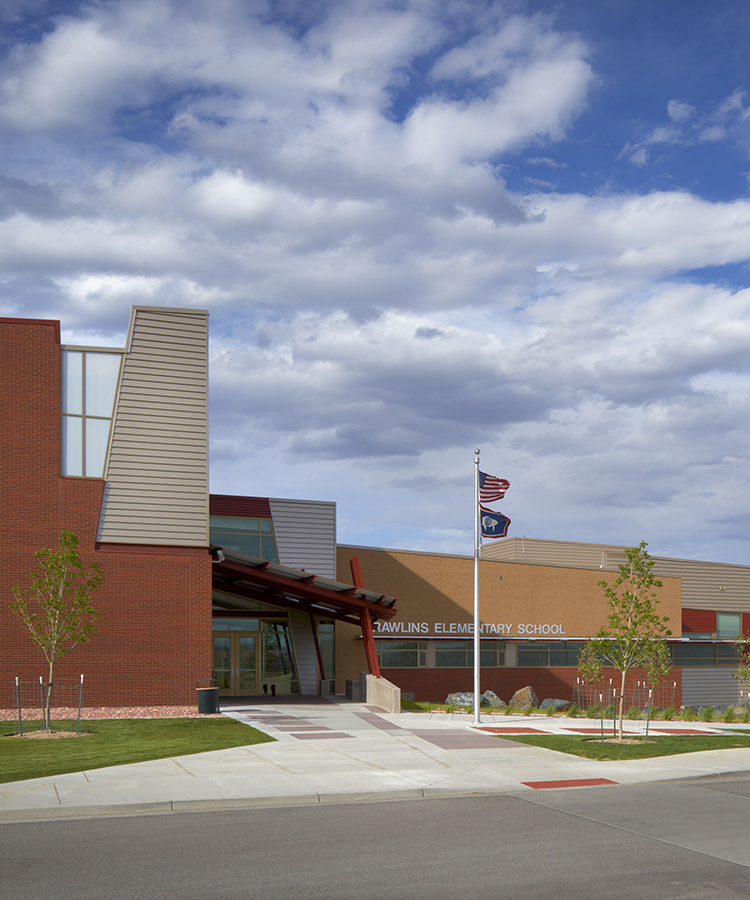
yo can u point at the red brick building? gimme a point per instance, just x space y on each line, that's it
153 638
112 444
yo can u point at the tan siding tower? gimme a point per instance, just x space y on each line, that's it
156 478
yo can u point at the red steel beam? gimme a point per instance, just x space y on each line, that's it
317 645
305 591
263 596
356 568
370 652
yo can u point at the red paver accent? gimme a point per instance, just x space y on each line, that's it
512 730
573 782
461 740
278 720
319 735
376 720
302 727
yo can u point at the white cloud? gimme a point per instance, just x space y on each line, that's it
635 154
546 161
679 111
331 188
685 128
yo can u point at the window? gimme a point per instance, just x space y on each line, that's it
460 654
327 643
89 386
254 537
401 654
234 624
694 654
491 654
728 626
554 653
454 654
278 658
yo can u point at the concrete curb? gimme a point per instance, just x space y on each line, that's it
738 775
162 807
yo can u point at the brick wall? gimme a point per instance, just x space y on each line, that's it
153 638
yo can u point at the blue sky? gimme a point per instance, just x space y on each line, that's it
419 227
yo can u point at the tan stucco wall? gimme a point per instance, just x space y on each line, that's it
435 597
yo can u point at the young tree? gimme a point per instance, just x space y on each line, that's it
635 634
57 608
742 672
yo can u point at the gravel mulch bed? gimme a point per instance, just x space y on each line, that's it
107 712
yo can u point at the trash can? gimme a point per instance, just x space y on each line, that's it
208 701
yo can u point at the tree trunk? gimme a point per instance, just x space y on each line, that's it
48 711
622 705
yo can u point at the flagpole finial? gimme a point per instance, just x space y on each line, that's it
476 453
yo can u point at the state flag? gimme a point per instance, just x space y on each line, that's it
494 524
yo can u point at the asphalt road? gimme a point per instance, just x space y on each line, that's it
655 841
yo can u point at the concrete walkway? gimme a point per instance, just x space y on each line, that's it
337 751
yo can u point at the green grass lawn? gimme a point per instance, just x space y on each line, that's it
428 706
114 742
662 745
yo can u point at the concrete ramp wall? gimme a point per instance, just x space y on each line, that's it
380 692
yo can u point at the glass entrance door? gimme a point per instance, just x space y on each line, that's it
247 665
236 663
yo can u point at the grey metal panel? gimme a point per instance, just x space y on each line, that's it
709 687
305 655
156 488
705 585
305 533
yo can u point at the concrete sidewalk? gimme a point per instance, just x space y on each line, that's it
338 751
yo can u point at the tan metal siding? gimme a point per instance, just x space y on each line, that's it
156 489
709 687
705 585
549 553
305 533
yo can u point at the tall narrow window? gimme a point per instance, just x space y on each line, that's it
89 385
327 643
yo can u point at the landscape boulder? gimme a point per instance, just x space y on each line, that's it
525 698
461 698
557 705
466 698
490 698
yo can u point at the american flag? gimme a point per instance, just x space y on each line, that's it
491 488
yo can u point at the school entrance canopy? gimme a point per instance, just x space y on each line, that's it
258 580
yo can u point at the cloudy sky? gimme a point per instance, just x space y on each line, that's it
420 227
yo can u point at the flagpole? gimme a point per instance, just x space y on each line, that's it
477 719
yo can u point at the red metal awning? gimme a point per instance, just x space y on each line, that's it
267 582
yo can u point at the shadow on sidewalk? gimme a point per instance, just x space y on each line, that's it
285 700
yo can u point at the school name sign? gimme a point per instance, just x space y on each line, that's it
444 629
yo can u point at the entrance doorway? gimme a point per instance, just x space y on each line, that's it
236 664
253 657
